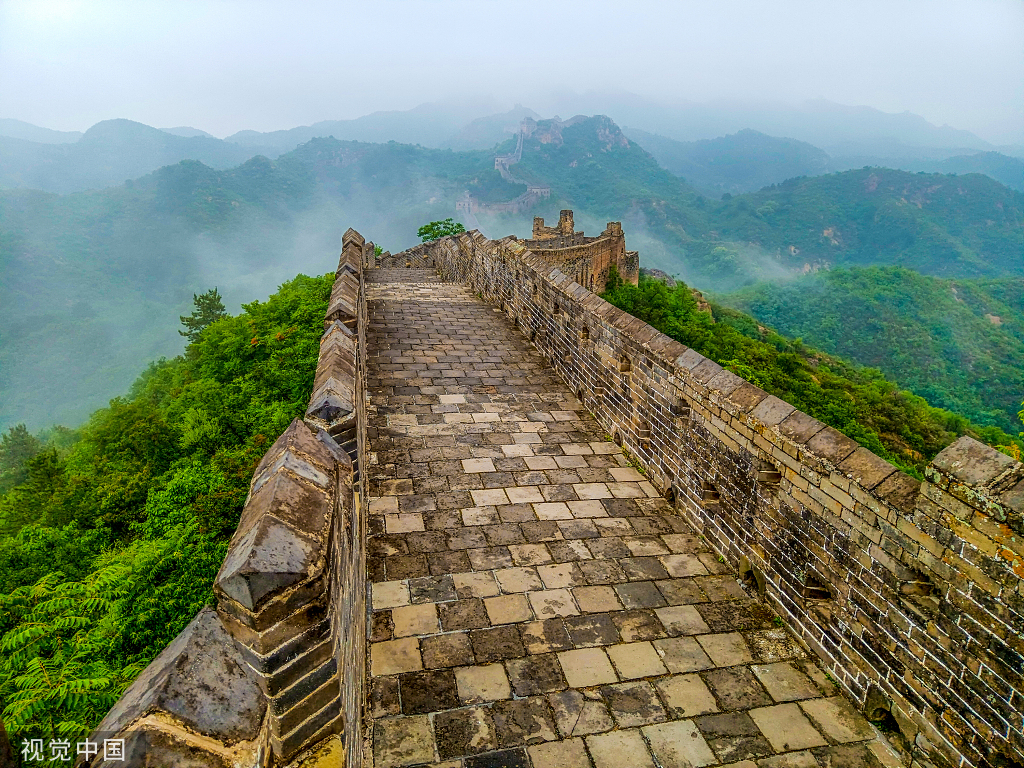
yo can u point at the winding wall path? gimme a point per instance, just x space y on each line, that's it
534 601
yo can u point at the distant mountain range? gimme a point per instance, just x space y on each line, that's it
837 128
748 160
742 162
19 129
717 146
109 153
428 125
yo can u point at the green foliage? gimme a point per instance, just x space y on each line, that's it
957 343
948 226
209 308
1015 449
109 545
58 679
860 402
17 446
435 230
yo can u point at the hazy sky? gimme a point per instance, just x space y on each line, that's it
223 66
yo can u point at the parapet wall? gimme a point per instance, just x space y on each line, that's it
910 592
587 260
280 664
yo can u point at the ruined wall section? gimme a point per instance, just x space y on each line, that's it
280 663
910 592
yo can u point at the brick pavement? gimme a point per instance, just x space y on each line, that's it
535 601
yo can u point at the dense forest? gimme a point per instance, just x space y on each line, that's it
948 226
957 343
111 534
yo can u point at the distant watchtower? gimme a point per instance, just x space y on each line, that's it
587 260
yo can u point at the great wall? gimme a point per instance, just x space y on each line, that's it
468 206
519 527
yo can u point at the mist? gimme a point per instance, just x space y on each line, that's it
227 66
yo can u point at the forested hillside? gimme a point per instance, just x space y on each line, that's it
948 226
110 536
957 343
93 282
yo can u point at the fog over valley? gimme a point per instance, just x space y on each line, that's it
127 189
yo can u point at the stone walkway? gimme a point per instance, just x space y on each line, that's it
535 601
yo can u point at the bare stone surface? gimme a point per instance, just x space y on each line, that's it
199 678
619 748
404 741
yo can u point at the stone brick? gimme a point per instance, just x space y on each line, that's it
686 696
586 667
523 721
464 732
786 727
633 703
577 715
533 675
403 741
679 745
620 748
634 660
560 754
478 684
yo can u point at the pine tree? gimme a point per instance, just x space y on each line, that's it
17 446
209 308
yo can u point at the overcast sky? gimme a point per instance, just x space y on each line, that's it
224 66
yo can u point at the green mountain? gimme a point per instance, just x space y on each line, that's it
741 162
92 283
1003 168
107 154
964 226
957 343
948 226
111 537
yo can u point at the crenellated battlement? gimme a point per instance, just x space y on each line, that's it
587 260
